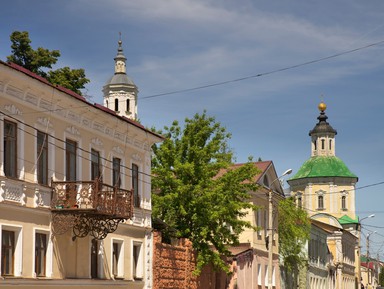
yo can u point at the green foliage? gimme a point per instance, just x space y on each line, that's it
73 79
35 60
294 232
197 192
381 278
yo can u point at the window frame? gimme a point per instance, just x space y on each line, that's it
320 202
10 153
5 259
17 253
41 251
116 172
42 158
96 165
137 261
117 258
135 185
71 159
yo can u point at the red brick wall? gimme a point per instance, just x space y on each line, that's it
173 265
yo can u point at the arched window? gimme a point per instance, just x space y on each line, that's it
320 202
322 144
116 104
314 145
343 202
330 144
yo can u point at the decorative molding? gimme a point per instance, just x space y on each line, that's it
44 121
97 142
118 150
119 135
12 109
86 122
136 157
33 99
12 192
42 198
98 126
13 91
60 111
73 116
46 105
72 130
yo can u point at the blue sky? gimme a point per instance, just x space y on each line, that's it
174 45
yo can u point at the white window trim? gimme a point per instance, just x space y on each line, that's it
120 265
79 155
140 263
51 150
18 261
48 257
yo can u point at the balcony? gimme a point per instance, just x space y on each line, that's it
89 208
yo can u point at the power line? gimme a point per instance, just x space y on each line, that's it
264 73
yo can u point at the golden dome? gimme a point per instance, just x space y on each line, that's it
322 106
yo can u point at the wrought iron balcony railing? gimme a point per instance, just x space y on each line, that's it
89 208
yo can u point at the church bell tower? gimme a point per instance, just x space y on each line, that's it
120 92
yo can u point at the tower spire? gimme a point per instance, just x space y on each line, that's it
323 135
120 92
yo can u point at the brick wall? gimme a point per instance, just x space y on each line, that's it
173 265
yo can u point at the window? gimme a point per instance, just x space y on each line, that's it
116 104
116 179
259 222
320 202
128 105
330 144
95 165
95 258
259 276
137 261
314 145
7 252
42 158
343 202
299 202
70 160
135 185
10 149
266 274
40 254
322 144
117 258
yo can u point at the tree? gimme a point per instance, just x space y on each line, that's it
73 79
36 60
294 232
25 56
196 190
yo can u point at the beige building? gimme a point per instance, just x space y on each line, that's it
325 188
75 185
252 271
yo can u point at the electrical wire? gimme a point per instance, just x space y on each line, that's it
264 73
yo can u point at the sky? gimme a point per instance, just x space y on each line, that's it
267 65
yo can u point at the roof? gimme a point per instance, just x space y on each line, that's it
262 166
323 127
240 248
344 220
323 166
120 78
77 96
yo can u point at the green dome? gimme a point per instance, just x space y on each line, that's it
321 166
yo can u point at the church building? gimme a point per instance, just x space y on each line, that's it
325 188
